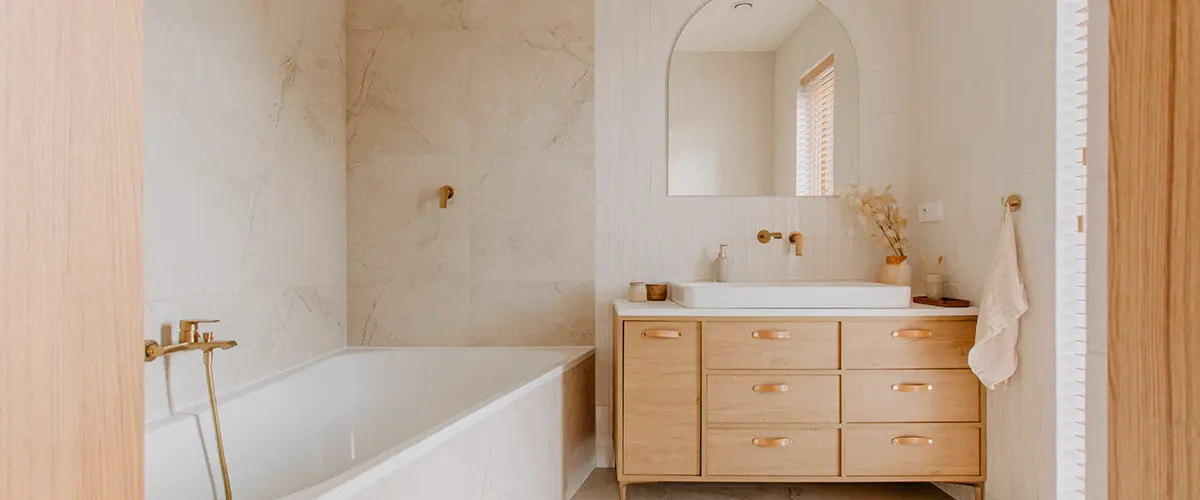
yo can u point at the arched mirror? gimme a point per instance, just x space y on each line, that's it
763 101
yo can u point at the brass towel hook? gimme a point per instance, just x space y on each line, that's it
444 195
1012 201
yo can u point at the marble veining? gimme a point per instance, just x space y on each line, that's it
496 99
244 186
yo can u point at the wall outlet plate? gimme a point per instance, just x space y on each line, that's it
930 211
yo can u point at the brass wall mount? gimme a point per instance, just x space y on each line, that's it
444 194
765 236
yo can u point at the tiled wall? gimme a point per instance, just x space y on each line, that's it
244 183
493 97
984 80
641 233
722 123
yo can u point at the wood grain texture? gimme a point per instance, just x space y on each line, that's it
809 399
812 452
1184 292
808 345
871 452
70 296
579 424
869 396
661 400
870 344
1142 429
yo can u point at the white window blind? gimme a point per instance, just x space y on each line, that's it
814 131
1070 249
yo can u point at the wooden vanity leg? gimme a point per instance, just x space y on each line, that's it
621 490
979 491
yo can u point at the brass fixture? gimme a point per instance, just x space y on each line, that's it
212 405
191 339
444 194
797 240
765 236
1012 202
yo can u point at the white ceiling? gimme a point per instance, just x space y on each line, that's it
718 27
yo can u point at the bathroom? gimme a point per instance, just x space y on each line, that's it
399 249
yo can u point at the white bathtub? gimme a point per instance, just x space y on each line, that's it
366 423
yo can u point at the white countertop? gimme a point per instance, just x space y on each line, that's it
668 309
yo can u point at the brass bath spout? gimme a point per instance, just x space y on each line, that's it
189 340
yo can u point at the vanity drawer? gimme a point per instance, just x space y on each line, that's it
906 344
910 396
912 450
771 345
773 398
772 451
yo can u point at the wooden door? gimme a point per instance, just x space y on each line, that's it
70 253
1154 250
661 391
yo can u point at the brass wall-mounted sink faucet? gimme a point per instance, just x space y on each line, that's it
797 240
190 339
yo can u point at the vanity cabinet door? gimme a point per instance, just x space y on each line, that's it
661 398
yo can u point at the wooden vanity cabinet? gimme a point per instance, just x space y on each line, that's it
797 399
661 396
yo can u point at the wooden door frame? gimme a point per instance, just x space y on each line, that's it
71 399
1154 250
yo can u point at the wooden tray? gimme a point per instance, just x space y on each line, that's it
944 302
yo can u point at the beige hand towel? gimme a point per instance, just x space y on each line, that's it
994 357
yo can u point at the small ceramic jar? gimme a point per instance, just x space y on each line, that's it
637 291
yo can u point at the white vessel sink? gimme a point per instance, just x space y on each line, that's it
791 295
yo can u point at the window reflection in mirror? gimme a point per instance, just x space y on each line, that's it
763 101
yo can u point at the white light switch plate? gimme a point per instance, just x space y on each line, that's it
930 211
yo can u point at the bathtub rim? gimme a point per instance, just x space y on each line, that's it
359 477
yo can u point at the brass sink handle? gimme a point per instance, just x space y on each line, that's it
765 236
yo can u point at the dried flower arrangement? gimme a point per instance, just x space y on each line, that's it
882 211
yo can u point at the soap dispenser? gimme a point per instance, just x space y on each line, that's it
722 266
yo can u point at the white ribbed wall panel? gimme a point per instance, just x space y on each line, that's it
642 234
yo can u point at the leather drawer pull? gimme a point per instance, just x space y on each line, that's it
771 442
764 388
661 334
771 334
912 334
912 440
912 387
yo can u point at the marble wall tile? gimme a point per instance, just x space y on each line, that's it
531 314
407 14
501 108
244 186
532 14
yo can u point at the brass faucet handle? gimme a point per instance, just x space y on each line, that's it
765 236
189 329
